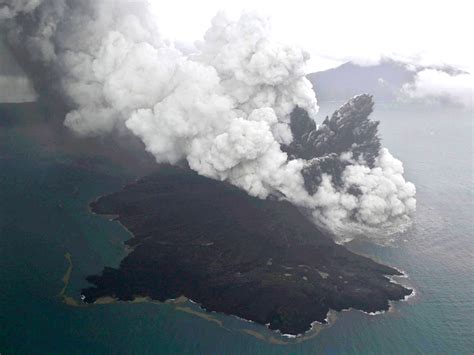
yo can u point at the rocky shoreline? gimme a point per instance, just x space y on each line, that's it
260 260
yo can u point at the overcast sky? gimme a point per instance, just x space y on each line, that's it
333 32
430 32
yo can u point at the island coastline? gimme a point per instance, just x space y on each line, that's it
102 204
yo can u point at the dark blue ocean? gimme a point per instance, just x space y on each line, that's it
44 215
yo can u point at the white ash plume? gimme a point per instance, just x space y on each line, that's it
227 109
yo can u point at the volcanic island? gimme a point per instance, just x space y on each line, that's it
261 260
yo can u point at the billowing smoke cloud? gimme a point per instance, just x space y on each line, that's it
384 202
353 183
14 84
15 89
12 8
440 86
226 109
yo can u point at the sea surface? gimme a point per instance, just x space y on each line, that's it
44 215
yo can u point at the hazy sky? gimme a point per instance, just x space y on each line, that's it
333 32
430 32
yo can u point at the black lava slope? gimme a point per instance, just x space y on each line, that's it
261 260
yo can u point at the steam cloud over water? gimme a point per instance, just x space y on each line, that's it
436 85
227 109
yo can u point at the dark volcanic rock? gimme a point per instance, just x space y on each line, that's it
348 130
258 259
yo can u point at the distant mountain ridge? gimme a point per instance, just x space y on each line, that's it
383 81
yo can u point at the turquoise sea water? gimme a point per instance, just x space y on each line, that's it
44 214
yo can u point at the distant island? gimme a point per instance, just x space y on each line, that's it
384 80
260 260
